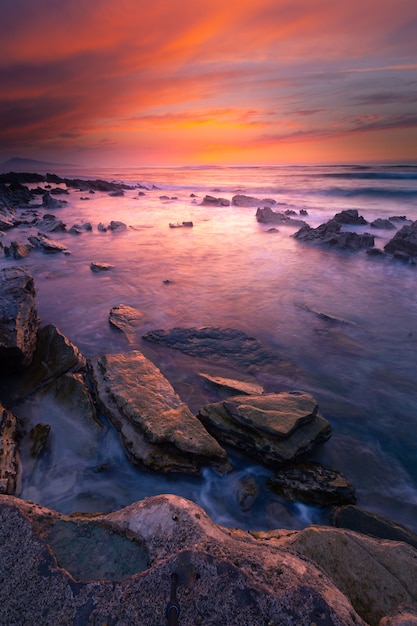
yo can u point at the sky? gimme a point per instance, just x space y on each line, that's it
220 82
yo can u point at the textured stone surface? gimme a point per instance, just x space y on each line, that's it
313 484
405 241
55 355
273 428
9 460
126 319
377 575
19 319
224 576
232 385
156 427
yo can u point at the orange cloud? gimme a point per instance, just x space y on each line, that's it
80 75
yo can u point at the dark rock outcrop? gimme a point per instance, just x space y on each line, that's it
383 224
267 216
228 346
247 201
17 250
350 216
212 201
19 319
274 429
331 234
47 245
117 568
404 241
369 523
313 484
9 459
157 429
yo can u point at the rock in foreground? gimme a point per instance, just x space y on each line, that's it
224 576
158 430
19 319
273 429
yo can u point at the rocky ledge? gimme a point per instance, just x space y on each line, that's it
118 569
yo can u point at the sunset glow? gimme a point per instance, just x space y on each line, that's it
243 82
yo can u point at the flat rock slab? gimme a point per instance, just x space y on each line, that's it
233 385
19 320
228 346
157 428
126 319
225 576
260 426
278 415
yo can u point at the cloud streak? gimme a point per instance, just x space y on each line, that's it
126 80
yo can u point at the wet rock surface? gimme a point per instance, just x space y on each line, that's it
274 428
19 319
266 215
158 430
9 460
224 576
369 523
126 319
228 346
404 241
313 484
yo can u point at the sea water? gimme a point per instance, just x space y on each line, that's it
230 271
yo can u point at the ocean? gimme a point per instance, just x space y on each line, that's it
230 271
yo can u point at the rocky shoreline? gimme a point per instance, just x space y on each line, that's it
361 571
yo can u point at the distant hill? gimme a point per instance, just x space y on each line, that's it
21 164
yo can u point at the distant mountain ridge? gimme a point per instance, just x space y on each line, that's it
19 162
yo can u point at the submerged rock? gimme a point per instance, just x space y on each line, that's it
126 319
157 429
227 346
247 201
232 385
19 319
96 266
38 437
274 428
212 201
9 459
117 568
47 245
313 484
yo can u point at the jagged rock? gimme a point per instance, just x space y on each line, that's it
330 233
54 356
126 319
369 523
212 201
75 230
383 224
19 319
267 216
49 224
313 484
350 216
158 430
376 575
38 437
9 460
101 227
233 386
227 346
49 202
404 240
6 223
17 250
273 428
100 267
47 245
247 201
117 226
117 568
